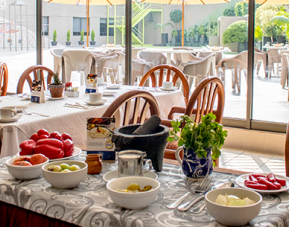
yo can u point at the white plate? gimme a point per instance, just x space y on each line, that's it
113 87
240 180
12 119
50 98
77 151
168 89
108 93
27 97
114 174
95 103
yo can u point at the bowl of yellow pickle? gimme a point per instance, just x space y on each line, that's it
133 192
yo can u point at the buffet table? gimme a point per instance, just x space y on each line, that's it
89 203
65 119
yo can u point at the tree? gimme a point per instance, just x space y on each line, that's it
245 9
238 9
229 12
261 10
176 16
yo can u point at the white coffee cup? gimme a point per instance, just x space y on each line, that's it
100 80
168 84
95 97
8 112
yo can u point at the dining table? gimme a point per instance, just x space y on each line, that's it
64 117
36 203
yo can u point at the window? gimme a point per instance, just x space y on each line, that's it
79 24
103 27
45 25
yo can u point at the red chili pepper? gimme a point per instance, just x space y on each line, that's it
34 137
270 185
257 175
66 136
252 178
271 177
51 148
257 186
42 132
53 142
282 182
68 147
43 137
27 147
277 185
56 135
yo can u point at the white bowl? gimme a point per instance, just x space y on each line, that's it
133 200
233 215
24 172
65 180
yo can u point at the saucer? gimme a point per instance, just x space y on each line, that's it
88 102
108 93
114 174
113 86
18 108
168 89
63 97
12 119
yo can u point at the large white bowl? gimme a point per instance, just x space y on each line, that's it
65 180
24 172
133 200
232 215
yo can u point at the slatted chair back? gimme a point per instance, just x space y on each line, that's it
168 69
32 72
136 106
3 78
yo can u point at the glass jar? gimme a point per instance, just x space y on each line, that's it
94 162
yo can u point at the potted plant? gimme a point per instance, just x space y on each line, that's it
258 37
54 42
201 144
92 42
56 88
186 36
196 30
81 42
270 30
202 33
174 35
165 36
192 35
68 38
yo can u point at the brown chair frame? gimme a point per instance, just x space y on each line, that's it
169 68
125 99
287 151
26 76
3 78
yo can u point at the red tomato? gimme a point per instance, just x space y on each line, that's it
37 159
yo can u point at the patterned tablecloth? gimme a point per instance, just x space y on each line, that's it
90 205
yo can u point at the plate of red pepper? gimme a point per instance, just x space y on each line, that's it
54 146
264 182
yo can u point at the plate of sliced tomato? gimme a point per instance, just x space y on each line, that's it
263 182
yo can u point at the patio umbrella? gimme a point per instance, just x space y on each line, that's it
270 2
187 2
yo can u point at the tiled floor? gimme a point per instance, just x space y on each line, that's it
252 162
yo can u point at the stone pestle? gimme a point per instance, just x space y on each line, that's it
148 127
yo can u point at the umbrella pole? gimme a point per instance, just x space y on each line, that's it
87 21
183 21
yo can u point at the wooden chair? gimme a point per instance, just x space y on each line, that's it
3 78
137 109
178 75
26 75
201 103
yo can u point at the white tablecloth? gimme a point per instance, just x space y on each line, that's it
65 119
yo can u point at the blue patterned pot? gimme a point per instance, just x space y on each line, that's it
192 165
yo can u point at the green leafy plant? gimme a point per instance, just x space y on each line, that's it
229 12
238 9
199 137
270 30
92 35
68 36
56 80
236 32
202 30
174 33
245 8
163 26
81 35
176 16
54 36
258 34
191 32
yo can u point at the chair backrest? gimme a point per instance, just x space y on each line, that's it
273 56
184 57
26 76
218 54
134 52
138 68
169 69
203 99
133 113
3 78
57 52
240 59
154 57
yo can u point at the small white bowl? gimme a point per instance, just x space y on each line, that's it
24 172
233 215
65 180
133 200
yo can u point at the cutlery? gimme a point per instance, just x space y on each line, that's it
85 107
203 188
26 113
178 202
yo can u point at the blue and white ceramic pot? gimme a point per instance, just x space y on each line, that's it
192 165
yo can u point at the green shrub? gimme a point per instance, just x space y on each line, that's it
191 32
258 34
54 36
238 9
236 32
68 36
270 30
174 33
245 9
81 35
229 12
202 30
92 35
176 16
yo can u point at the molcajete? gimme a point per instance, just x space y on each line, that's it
153 144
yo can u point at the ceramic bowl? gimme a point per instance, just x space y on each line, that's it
133 200
233 215
24 172
65 180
